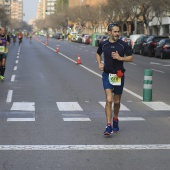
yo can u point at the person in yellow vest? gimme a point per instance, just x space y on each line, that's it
69 37
4 42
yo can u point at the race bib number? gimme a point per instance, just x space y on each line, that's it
2 49
114 79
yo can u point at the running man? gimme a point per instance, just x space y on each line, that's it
20 36
4 42
116 52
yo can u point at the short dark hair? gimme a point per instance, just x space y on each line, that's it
110 26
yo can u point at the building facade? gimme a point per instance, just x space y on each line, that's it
160 25
74 3
17 10
45 7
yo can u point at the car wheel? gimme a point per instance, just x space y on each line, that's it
162 56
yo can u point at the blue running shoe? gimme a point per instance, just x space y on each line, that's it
115 125
108 130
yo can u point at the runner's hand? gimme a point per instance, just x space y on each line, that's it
101 66
116 55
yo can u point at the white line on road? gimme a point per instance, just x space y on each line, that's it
84 147
13 78
122 107
9 96
76 119
158 71
133 63
16 62
69 106
17 56
23 106
158 106
155 63
15 68
131 119
21 120
93 52
166 65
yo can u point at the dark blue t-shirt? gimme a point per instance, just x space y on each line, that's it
112 65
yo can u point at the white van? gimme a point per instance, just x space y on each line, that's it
134 37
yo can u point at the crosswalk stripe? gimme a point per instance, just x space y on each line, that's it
158 106
69 106
122 107
23 106
76 119
131 119
20 119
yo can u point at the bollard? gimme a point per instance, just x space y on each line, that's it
147 85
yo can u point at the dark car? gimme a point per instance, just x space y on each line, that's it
58 36
150 45
104 38
163 49
127 40
139 45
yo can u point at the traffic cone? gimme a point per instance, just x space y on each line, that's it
78 59
57 49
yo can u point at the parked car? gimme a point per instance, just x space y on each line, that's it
138 46
84 38
134 37
77 36
58 35
127 40
104 38
150 45
162 50
88 40
98 38
80 39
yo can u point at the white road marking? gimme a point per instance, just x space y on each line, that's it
16 61
12 78
93 52
158 71
17 56
69 106
23 106
76 119
122 107
15 68
21 120
155 63
166 65
158 106
9 96
132 63
131 119
84 147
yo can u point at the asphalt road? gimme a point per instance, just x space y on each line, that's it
52 115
